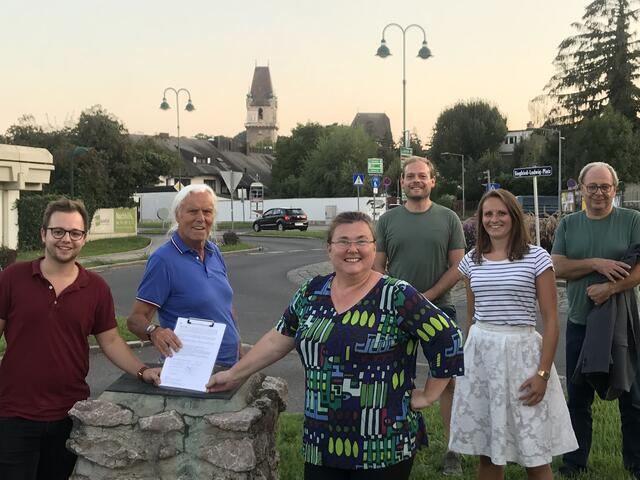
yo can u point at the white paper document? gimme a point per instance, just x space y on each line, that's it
191 366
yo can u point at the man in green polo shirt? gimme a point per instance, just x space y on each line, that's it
423 242
587 247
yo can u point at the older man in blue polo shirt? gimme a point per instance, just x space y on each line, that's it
186 277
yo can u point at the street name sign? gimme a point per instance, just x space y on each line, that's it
532 172
375 165
406 151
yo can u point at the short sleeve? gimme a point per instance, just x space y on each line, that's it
5 293
463 266
290 319
105 315
635 228
457 234
559 240
439 335
155 286
542 261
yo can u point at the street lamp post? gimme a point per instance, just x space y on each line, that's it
424 53
74 153
560 138
189 108
461 155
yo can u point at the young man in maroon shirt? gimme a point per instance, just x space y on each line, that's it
48 308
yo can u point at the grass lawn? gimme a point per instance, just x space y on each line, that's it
122 329
236 247
605 462
98 247
321 234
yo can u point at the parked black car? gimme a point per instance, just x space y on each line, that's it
282 219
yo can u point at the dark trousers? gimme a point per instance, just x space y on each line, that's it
580 400
31 450
399 471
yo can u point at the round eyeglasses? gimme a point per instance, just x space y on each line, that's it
59 233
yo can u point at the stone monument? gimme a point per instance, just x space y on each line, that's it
157 434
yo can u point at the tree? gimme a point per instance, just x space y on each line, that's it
291 154
107 169
608 138
599 65
341 152
473 128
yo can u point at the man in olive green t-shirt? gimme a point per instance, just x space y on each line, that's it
422 243
586 248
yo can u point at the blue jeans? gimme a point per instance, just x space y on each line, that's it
580 400
31 450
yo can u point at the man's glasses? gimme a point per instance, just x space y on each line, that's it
59 233
594 187
344 244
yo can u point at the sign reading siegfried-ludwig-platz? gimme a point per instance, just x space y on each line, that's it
532 172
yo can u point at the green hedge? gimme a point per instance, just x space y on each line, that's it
30 210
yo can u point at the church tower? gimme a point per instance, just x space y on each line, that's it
262 109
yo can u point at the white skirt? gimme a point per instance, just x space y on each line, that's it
489 419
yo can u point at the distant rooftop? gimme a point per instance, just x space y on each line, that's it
377 125
261 89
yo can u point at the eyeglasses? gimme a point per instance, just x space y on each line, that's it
59 233
344 244
594 187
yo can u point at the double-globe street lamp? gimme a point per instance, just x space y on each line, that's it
189 108
461 155
424 53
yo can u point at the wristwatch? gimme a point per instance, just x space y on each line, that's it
141 371
150 328
544 374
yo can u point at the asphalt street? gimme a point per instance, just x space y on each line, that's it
263 282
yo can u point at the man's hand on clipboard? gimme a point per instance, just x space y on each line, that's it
165 340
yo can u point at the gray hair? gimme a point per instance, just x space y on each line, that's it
589 166
182 195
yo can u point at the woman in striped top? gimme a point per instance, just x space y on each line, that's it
509 406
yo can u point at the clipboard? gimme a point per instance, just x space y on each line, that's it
190 367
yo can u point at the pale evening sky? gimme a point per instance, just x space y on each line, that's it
59 58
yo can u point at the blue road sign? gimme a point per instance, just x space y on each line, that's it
375 181
358 179
493 186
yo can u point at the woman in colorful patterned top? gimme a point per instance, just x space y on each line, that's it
509 405
357 332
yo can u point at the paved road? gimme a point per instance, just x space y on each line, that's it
263 284
261 292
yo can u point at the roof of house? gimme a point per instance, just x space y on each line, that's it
261 90
377 125
210 161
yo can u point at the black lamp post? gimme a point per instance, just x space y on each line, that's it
189 108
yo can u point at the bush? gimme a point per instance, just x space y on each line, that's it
469 227
30 210
446 200
548 225
230 238
7 257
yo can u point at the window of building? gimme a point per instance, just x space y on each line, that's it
211 183
260 114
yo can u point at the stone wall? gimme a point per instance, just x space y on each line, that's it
149 437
